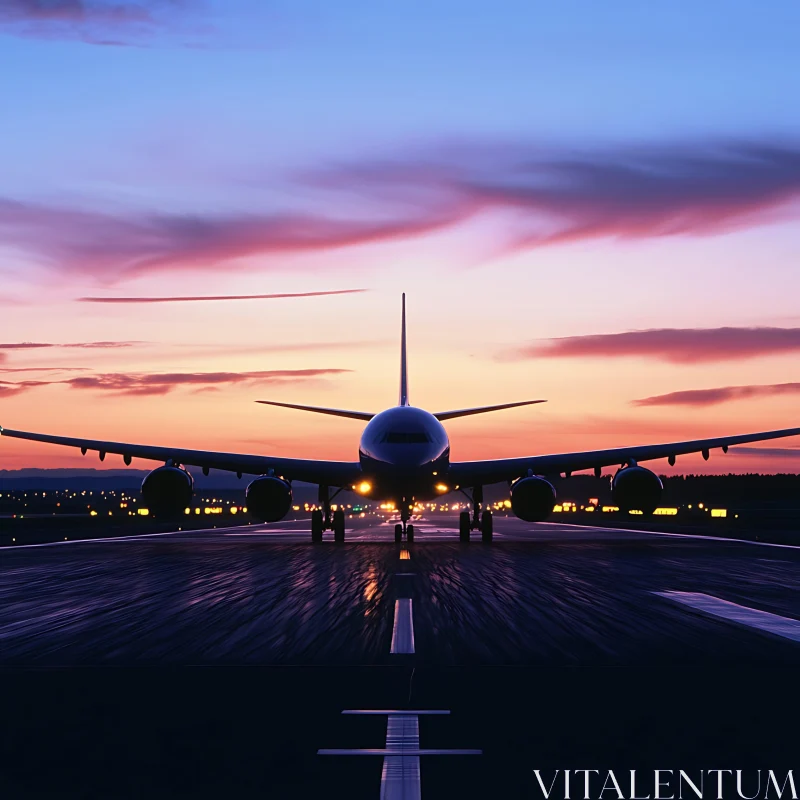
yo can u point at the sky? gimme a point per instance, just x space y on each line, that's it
595 204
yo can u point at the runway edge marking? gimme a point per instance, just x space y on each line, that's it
785 627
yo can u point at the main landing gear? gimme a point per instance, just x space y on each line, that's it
323 520
477 521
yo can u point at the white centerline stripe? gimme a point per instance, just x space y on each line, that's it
786 627
400 779
403 632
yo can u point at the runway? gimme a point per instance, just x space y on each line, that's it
236 651
544 595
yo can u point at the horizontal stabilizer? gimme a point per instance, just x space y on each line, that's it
468 412
366 416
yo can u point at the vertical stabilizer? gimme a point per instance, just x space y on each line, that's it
403 362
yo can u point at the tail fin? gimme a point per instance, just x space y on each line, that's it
403 361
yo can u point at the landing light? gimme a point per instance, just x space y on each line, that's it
365 487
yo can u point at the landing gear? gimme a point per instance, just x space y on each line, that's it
403 527
316 526
477 501
323 520
487 528
476 521
463 526
338 525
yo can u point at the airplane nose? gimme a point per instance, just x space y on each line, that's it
415 456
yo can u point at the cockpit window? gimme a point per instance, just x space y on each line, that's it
398 437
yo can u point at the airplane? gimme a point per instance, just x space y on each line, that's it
403 458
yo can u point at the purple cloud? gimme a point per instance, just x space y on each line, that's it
138 384
723 394
102 22
675 345
544 197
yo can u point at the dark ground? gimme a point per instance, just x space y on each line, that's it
216 663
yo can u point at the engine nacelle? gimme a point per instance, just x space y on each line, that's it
532 499
268 499
636 489
167 491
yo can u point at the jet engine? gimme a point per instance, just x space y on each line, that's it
636 489
269 499
532 499
167 491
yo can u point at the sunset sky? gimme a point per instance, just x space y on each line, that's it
593 203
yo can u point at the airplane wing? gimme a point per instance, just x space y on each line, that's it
473 473
330 473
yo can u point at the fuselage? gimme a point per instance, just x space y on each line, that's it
405 456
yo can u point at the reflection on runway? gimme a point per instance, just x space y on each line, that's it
546 594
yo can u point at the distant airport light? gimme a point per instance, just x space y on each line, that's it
593 501
365 487
441 487
143 512
609 509
666 512
92 513
636 512
558 508
719 512
234 510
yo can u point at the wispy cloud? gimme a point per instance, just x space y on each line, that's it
80 345
536 197
766 452
140 383
201 298
43 369
723 394
554 197
112 247
101 22
675 345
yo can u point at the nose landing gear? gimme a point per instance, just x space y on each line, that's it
403 527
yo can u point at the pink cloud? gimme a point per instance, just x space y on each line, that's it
191 299
675 345
723 394
163 383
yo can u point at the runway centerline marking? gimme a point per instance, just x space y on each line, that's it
403 631
775 624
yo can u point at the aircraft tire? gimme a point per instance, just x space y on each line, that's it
316 526
398 534
487 527
464 524
338 525
410 534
